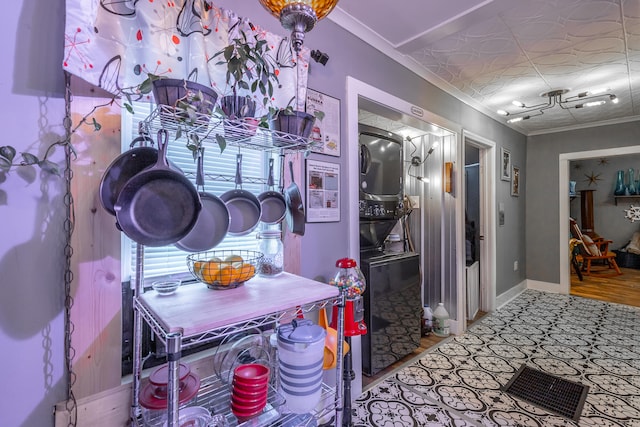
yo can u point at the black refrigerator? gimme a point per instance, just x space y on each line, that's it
393 309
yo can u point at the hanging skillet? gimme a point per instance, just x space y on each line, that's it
124 167
213 220
244 207
295 208
158 206
273 204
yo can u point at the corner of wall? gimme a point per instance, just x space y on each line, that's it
507 296
543 286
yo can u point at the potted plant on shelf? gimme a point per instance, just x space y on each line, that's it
294 122
184 105
247 70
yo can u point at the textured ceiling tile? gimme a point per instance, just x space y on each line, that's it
532 46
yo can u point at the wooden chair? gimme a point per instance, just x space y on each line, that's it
594 252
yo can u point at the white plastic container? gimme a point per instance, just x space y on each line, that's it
427 320
441 321
300 358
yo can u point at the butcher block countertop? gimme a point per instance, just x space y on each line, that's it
194 308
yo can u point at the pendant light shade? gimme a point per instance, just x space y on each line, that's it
299 16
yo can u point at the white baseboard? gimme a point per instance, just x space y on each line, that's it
507 296
543 286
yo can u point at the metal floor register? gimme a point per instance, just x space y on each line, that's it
563 397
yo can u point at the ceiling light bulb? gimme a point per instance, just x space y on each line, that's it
598 91
435 144
614 99
515 120
594 103
422 179
518 104
502 112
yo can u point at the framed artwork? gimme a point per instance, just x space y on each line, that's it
323 191
326 131
505 164
515 181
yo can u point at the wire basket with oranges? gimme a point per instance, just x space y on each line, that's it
224 269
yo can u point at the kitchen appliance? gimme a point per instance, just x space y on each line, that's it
392 307
381 173
392 301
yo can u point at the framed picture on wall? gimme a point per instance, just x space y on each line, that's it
505 164
515 181
326 131
323 191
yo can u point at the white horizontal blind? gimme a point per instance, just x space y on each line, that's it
168 260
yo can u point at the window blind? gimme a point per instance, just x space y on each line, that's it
219 170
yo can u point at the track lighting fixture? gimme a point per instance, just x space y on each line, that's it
591 98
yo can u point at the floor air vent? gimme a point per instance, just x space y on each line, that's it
565 398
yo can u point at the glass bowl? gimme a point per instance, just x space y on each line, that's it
166 287
224 269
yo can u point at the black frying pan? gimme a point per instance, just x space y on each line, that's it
123 168
274 206
159 205
213 220
295 208
244 207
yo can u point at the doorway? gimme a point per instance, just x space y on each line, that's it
564 201
479 207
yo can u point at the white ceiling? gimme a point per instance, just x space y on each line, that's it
489 53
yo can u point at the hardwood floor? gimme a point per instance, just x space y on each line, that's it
623 289
425 343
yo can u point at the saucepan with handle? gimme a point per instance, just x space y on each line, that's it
159 205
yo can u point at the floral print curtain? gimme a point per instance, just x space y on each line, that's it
113 44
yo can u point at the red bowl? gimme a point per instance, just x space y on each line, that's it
250 385
250 393
242 412
245 403
251 373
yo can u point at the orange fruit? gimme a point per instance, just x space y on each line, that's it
197 268
234 258
246 272
210 271
227 275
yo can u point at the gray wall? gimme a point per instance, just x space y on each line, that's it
542 240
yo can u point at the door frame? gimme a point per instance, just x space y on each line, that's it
487 158
563 192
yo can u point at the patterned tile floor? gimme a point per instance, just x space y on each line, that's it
458 382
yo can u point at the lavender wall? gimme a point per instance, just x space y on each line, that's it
32 215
